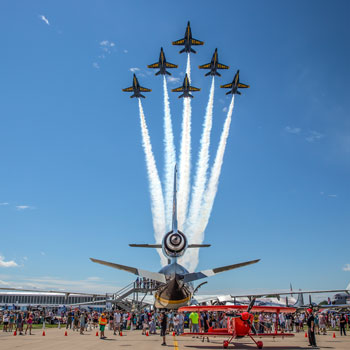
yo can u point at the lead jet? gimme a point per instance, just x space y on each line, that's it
185 88
136 88
234 86
188 41
214 65
162 64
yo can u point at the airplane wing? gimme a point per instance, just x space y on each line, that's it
240 85
239 308
129 89
170 65
222 66
192 88
179 42
179 89
207 273
204 66
160 277
196 42
52 291
154 65
145 89
226 86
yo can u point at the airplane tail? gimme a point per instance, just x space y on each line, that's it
142 96
189 95
238 92
157 73
218 74
183 50
167 72
300 300
193 50
182 95
132 96
207 74
229 92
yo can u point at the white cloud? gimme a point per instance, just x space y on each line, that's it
224 109
125 51
173 80
93 278
23 207
333 195
106 45
290 130
42 253
346 267
43 18
4 263
134 70
3 283
314 136
4 203
96 65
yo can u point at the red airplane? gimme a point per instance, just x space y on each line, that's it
239 322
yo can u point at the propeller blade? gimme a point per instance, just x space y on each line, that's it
251 304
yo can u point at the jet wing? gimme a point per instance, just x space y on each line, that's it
129 89
52 291
192 88
170 65
142 273
145 89
222 66
179 89
240 85
207 273
204 66
196 42
154 65
179 42
226 86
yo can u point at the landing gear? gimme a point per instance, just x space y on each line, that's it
259 344
225 344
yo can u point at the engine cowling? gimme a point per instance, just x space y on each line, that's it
174 244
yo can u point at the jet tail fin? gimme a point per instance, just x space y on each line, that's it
183 50
157 73
142 96
218 74
207 74
228 92
167 72
142 273
192 50
300 300
132 96
189 277
182 95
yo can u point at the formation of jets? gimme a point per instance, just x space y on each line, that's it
187 41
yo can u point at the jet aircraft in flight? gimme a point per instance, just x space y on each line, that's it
188 41
162 64
214 65
136 88
235 85
186 88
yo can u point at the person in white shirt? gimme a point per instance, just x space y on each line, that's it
117 321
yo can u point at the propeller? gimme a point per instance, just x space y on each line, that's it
251 304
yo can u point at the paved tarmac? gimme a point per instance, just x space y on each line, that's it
55 340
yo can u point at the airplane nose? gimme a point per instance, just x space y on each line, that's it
175 239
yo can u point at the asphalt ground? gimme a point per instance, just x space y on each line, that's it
55 339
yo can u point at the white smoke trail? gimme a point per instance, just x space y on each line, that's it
157 202
210 193
188 67
185 159
202 167
170 157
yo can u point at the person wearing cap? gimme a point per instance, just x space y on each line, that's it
311 328
102 322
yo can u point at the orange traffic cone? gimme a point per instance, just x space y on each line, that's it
147 334
121 333
15 333
305 334
333 334
96 334
65 333
43 333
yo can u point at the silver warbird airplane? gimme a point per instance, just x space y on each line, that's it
176 288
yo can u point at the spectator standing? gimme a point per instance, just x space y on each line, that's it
194 319
163 327
102 323
342 325
311 328
29 323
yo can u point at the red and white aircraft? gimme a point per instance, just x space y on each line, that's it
239 322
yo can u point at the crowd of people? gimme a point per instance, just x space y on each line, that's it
149 322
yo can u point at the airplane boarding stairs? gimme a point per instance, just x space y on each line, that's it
132 297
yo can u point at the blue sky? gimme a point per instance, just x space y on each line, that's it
74 184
